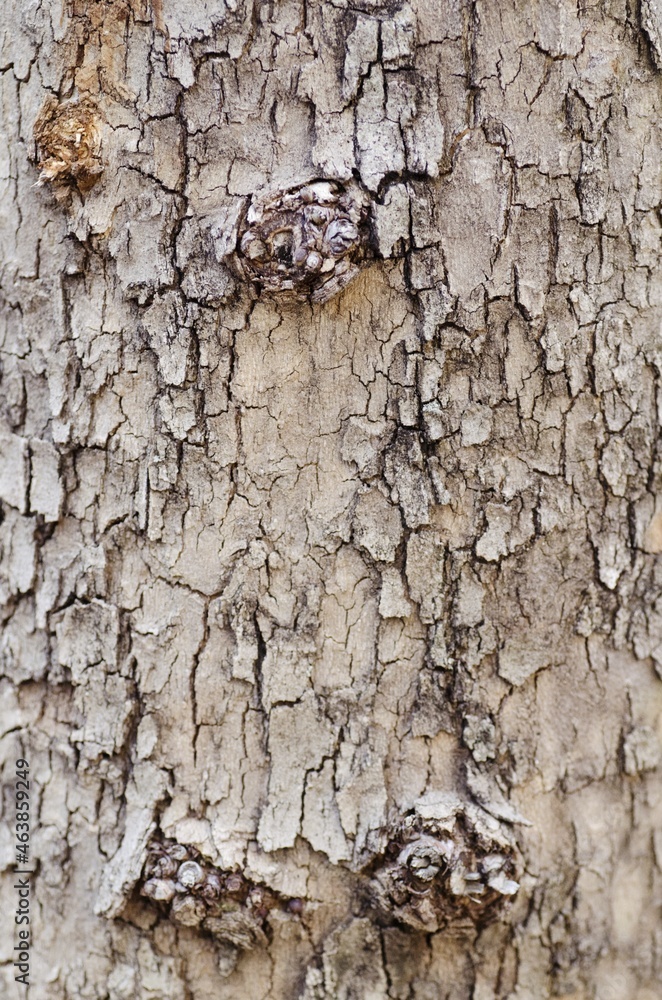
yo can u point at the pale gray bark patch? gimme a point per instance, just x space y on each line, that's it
651 22
14 476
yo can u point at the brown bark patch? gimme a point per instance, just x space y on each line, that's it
105 13
68 140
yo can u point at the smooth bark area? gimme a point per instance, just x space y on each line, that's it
348 604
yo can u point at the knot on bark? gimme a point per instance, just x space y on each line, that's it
307 242
447 862
195 893
68 144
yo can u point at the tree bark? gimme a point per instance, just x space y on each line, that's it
332 622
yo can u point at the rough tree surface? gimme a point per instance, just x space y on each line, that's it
285 582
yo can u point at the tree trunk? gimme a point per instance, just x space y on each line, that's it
331 498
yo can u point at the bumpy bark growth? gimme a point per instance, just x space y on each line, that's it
68 144
305 242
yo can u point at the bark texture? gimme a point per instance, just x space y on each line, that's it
298 591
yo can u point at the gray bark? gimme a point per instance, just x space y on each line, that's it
345 596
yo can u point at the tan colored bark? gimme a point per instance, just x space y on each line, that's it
282 579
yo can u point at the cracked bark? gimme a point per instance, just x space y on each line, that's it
281 578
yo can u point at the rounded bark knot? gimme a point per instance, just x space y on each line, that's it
307 243
447 862
68 144
194 893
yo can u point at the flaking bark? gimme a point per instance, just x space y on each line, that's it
282 579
